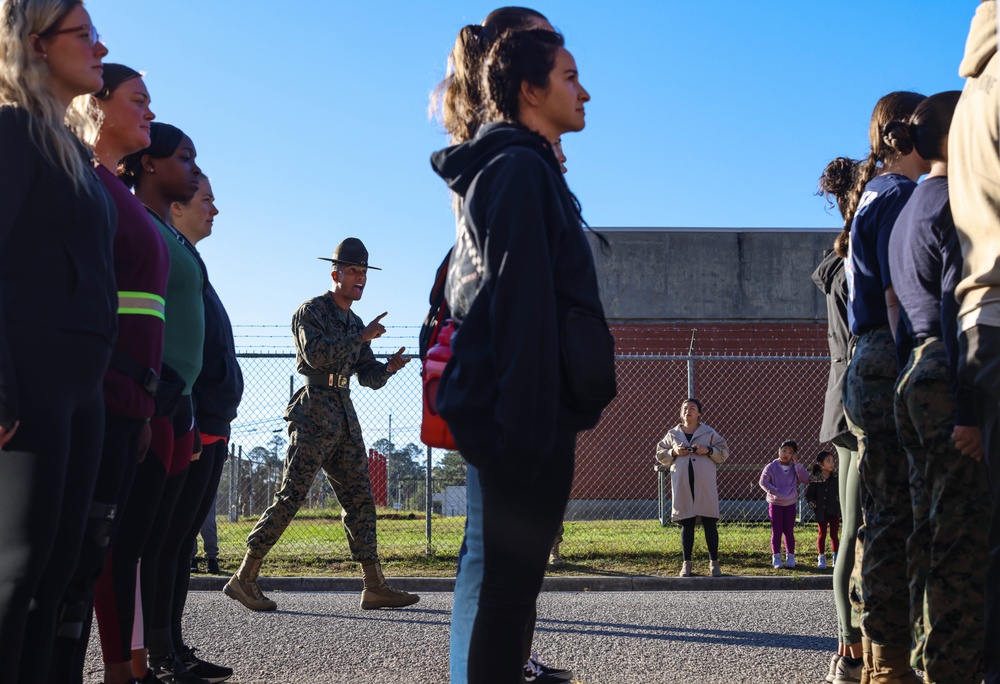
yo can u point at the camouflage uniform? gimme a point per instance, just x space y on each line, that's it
323 428
947 548
879 586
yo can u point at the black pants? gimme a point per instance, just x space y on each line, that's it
711 536
47 475
981 350
164 634
114 480
509 534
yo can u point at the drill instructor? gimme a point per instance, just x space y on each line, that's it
331 344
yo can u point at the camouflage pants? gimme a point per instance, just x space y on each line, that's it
946 551
879 585
345 463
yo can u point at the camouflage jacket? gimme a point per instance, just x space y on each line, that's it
328 340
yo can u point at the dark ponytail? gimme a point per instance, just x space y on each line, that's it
458 99
889 139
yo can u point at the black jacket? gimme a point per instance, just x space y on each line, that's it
823 496
532 351
830 278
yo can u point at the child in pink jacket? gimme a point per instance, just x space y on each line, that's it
780 479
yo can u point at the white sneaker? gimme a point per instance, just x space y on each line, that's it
776 560
847 673
832 674
790 560
821 561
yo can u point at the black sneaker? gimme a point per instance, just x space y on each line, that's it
208 671
213 566
170 670
194 566
537 672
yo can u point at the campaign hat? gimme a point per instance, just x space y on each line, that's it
350 252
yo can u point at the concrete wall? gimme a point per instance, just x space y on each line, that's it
711 275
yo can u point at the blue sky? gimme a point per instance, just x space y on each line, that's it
311 119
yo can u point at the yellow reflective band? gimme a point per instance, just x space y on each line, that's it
144 303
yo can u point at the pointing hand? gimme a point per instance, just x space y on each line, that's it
374 329
397 360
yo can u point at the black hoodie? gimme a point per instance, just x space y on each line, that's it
830 278
532 351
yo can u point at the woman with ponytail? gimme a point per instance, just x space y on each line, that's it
141 265
882 184
163 172
57 315
936 417
514 405
458 101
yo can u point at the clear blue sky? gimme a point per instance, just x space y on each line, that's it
311 119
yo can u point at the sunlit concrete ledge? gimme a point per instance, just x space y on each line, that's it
582 583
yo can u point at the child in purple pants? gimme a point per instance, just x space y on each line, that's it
780 479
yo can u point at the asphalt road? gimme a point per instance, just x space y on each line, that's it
614 637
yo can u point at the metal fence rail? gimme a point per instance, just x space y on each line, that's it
755 399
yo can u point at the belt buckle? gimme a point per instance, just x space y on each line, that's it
342 381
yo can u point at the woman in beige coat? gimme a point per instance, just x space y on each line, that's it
693 451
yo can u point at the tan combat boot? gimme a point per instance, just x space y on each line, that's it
714 568
685 569
243 585
866 660
555 560
891 664
378 594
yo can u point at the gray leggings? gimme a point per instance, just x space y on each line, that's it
850 512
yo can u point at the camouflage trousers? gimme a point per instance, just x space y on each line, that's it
345 463
878 584
947 550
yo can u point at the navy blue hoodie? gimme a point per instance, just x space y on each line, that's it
532 352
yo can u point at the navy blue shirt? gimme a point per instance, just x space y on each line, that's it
867 267
926 263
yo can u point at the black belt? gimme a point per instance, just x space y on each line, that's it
129 367
333 380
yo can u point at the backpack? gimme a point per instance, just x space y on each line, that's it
435 334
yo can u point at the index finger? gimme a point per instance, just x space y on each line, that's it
380 317
400 352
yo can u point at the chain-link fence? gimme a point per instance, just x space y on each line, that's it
758 387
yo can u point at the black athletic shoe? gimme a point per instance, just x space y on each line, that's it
213 566
194 566
202 668
537 672
170 670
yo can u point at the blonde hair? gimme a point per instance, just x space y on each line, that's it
56 131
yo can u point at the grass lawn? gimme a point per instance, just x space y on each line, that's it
315 545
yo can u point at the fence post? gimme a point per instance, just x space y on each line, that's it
690 363
430 500
233 508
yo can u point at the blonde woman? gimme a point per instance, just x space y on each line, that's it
57 315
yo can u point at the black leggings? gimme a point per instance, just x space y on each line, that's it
114 479
47 475
711 536
503 563
164 633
